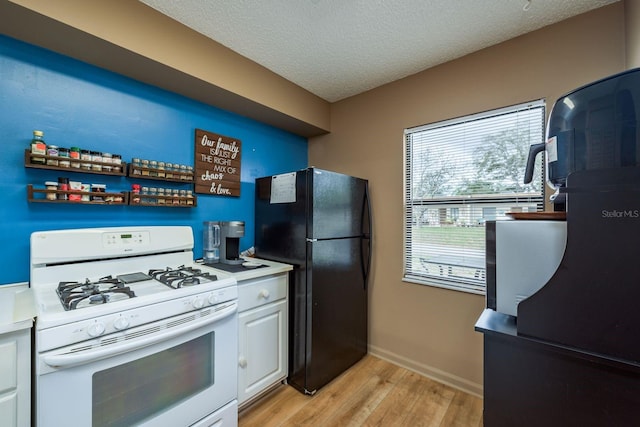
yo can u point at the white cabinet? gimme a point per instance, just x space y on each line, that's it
15 360
263 335
15 378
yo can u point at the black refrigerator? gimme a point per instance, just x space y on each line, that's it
320 222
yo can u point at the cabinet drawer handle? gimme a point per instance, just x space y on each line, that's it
264 294
242 362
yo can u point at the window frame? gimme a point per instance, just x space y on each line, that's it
452 203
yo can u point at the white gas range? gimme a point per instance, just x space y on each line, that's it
131 330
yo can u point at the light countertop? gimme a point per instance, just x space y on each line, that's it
17 309
271 267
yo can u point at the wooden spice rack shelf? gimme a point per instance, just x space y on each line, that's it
40 196
136 199
29 164
140 172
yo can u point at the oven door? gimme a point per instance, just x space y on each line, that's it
164 375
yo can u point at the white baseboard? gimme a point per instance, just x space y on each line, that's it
428 371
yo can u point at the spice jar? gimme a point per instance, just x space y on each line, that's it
161 172
75 186
145 167
135 196
85 160
86 189
52 150
190 200
168 170
153 164
183 173
117 163
161 199
144 195
38 147
183 197
176 197
107 158
97 189
52 186
63 154
96 157
74 154
136 165
63 185
153 193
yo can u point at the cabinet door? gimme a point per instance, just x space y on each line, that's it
15 378
8 409
262 358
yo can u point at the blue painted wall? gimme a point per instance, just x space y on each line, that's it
76 104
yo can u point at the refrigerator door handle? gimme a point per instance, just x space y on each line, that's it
365 269
366 207
367 234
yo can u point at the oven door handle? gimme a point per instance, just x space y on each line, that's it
71 359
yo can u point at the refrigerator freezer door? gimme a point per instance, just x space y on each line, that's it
280 228
327 205
338 205
330 325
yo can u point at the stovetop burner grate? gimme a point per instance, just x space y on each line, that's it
181 276
75 295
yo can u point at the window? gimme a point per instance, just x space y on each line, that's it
459 174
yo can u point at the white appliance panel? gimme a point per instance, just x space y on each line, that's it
59 246
527 254
54 405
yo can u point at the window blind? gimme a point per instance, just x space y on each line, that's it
460 173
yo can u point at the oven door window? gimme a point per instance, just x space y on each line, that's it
130 393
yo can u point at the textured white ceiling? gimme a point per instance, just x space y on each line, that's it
339 48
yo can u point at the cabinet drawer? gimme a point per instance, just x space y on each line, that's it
254 293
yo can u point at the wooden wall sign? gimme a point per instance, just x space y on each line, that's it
217 164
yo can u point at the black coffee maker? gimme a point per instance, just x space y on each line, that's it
230 234
594 127
593 156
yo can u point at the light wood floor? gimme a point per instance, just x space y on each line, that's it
372 393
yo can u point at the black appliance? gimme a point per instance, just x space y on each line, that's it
571 356
230 234
593 153
593 127
320 222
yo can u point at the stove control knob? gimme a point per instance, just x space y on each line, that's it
121 323
213 299
197 302
95 329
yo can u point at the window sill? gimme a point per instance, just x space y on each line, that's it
466 288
